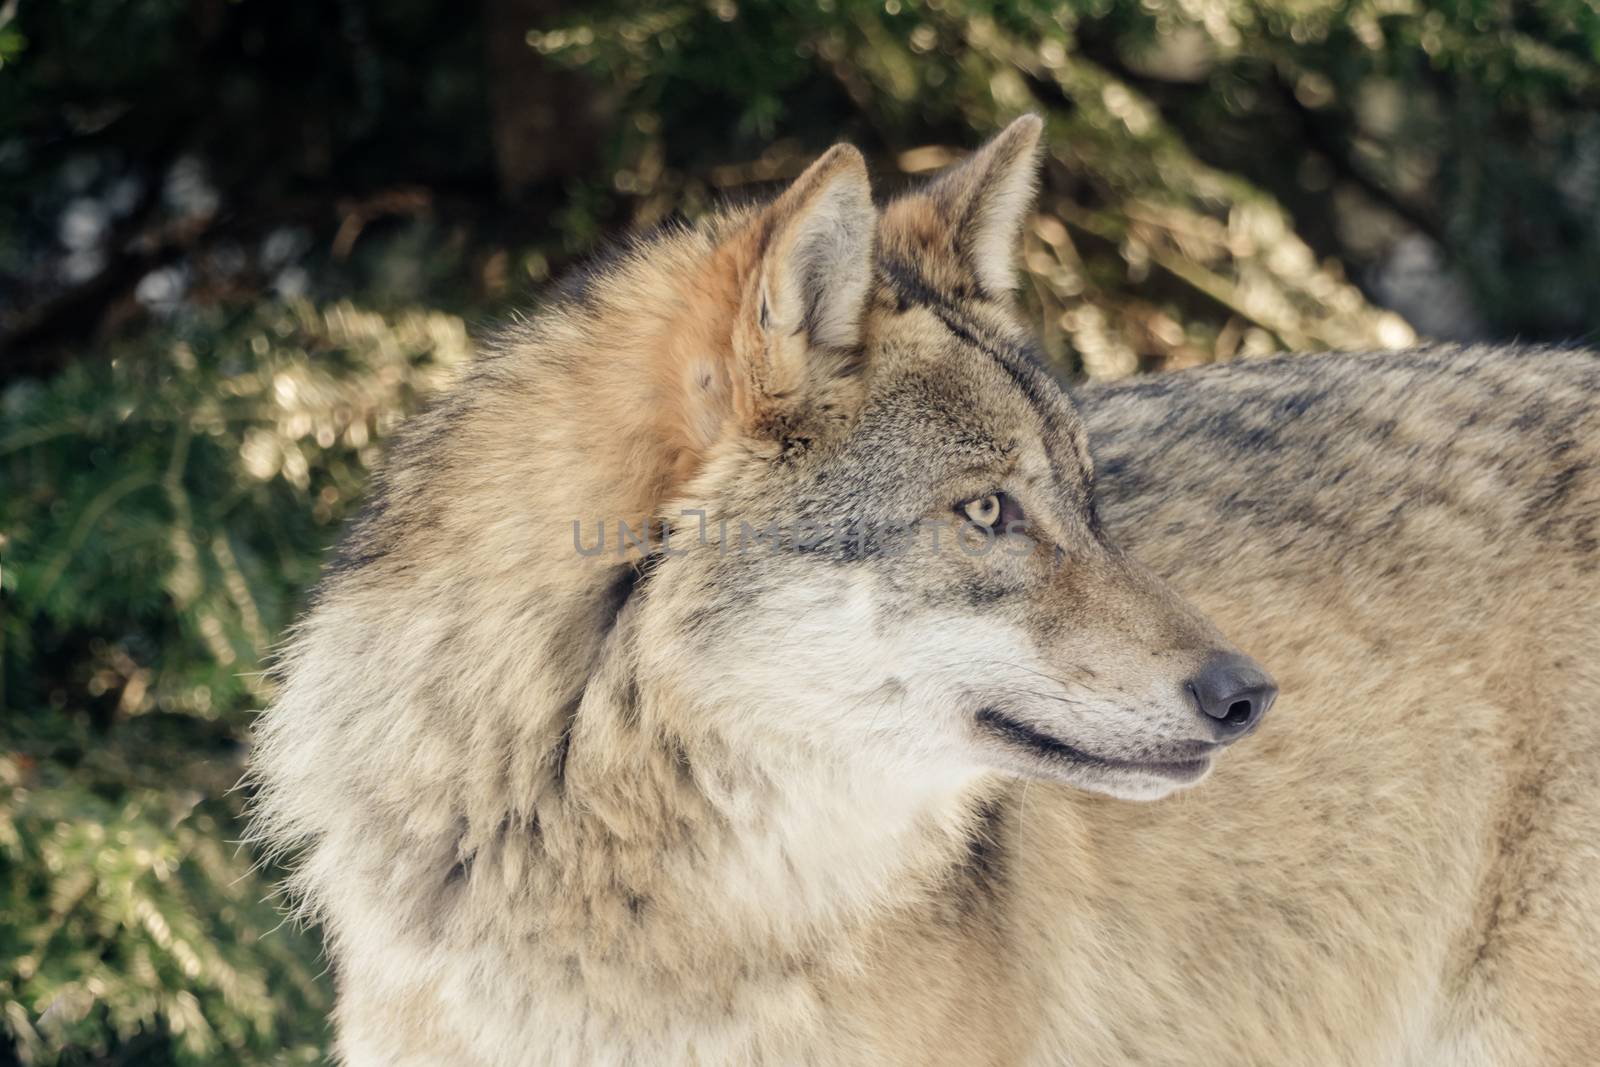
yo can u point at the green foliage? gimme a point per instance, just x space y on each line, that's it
1179 134
1144 255
127 925
166 511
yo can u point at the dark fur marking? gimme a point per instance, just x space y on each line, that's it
984 871
624 583
979 593
910 288
1556 489
1300 403
630 577
563 746
628 704
1097 525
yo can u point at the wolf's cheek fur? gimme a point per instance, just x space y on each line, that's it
901 683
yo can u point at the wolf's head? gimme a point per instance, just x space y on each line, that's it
884 558
883 537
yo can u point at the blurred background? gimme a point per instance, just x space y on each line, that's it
240 239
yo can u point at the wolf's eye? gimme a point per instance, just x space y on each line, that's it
985 511
993 511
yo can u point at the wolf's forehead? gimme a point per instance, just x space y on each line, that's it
964 360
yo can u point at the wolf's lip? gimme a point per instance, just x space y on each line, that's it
1192 762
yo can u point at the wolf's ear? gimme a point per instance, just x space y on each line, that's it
816 253
987 199
769 335
805 268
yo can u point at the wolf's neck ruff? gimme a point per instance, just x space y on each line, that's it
738 847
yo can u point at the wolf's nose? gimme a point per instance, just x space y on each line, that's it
1234 693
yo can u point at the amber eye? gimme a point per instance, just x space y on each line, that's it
985 510
994 511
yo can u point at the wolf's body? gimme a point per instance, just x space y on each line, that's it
1404 866
556 808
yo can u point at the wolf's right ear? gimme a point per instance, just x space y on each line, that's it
967 224
986 201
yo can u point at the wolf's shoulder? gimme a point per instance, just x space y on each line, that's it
1500 443
1428 398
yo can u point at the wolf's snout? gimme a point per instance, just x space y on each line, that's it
1234 693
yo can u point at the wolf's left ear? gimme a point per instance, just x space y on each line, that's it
987 199
816 259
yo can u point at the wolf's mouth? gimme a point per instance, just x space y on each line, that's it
1187 766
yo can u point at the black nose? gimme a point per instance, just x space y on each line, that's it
1233 692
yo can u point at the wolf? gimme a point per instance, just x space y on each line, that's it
858 799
